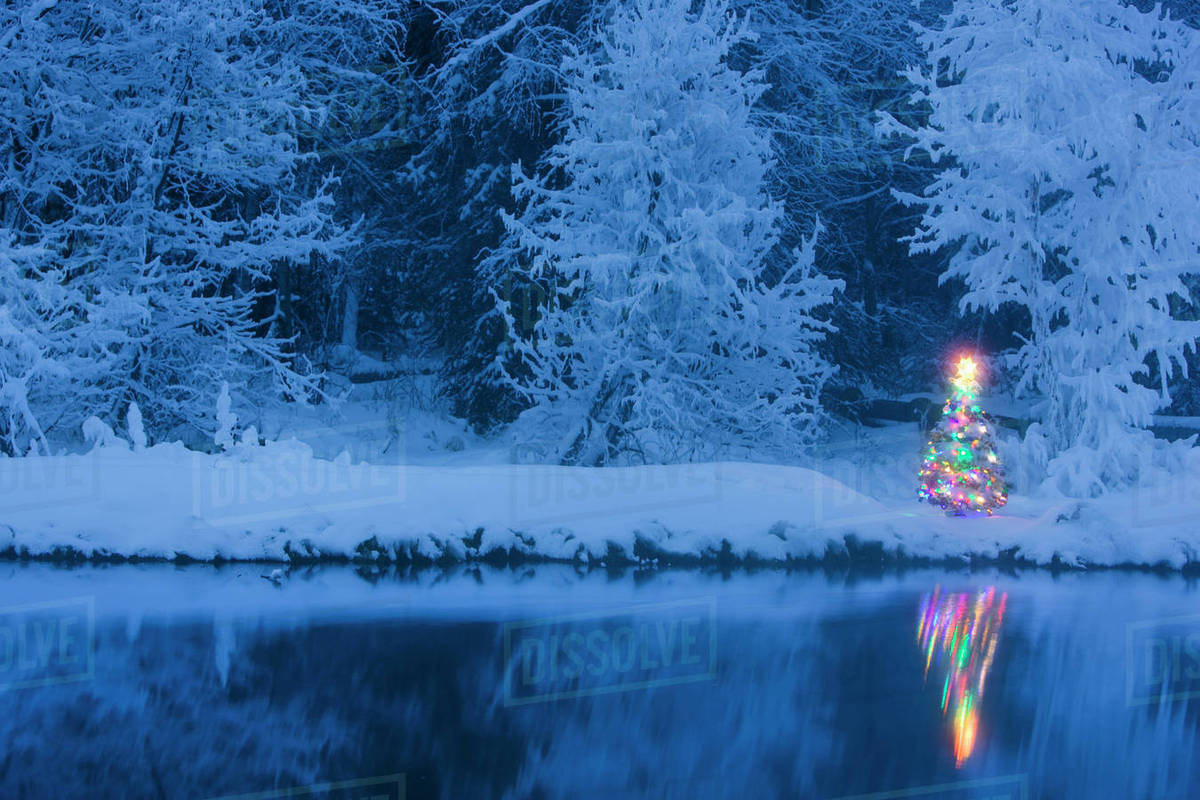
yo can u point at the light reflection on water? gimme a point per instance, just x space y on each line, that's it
958 634
547 683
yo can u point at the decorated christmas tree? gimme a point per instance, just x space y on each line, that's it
961 473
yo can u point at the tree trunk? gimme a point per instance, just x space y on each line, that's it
350 316
281 320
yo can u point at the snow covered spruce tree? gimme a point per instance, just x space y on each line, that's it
667 324
486 72
1072 190
350 54
147 188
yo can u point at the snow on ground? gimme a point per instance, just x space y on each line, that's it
368 482
282 501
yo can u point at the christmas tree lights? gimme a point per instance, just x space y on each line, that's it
958 634
962 473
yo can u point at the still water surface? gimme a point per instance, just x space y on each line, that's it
164 682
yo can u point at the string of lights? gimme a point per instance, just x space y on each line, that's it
961 472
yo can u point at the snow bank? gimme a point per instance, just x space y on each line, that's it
279 502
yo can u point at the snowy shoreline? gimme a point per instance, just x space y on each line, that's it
857 557
277 503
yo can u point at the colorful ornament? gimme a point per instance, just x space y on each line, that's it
962 473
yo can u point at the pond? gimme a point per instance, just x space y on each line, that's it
199 682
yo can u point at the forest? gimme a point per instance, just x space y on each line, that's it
532 399
668 230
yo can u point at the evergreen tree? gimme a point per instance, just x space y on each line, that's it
663 332
148 190
350 54
1070 194
961 472
486 85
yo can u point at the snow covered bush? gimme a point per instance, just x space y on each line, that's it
148 188
661 328
1069 135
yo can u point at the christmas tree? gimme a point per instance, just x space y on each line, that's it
961 473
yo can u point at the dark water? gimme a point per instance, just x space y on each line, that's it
159 682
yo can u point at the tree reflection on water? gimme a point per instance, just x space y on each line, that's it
958 633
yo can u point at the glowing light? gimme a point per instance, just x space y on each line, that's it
962 642
961 473
966 727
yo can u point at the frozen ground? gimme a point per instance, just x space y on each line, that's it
369 486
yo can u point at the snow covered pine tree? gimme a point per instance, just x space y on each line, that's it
961 472
1074 141
672 326
148 186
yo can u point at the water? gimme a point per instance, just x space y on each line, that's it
164 682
